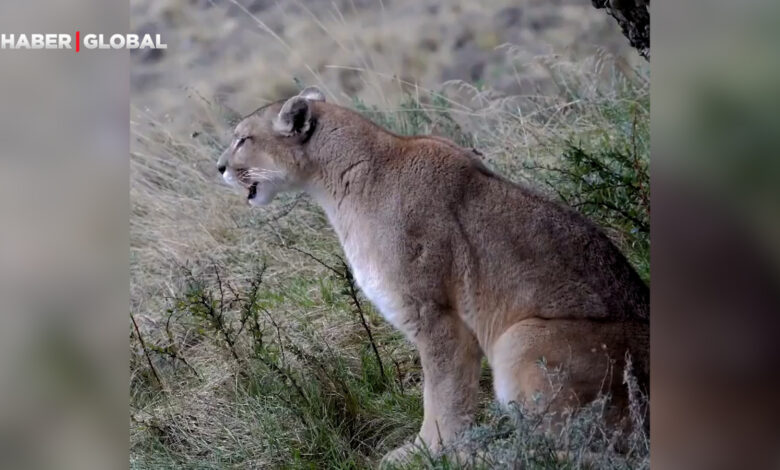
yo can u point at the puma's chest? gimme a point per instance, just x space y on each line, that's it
374 275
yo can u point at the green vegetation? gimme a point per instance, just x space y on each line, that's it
251 346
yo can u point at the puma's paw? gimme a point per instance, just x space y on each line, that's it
398 457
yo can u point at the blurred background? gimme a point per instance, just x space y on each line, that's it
247 52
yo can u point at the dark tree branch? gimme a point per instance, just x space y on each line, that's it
633 16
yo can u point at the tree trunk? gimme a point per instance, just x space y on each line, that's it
633 17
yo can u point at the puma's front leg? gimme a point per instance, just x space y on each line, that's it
451 360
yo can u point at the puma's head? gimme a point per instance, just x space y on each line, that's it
266 154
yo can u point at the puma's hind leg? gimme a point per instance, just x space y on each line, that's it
588 355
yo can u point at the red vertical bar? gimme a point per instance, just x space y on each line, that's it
78 34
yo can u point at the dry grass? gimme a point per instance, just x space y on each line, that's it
260 357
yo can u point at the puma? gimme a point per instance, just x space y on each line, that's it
464 262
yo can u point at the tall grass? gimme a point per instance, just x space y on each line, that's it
254 349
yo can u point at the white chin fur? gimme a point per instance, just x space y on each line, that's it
229 179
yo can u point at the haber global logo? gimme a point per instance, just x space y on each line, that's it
77 41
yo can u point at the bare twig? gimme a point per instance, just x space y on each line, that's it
341 274
399 374
146 353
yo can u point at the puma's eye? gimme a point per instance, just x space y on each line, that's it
240 142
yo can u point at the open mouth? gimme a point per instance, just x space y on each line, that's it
252 191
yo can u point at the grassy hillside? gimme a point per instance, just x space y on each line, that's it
251 346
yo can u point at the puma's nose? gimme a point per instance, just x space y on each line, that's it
222 168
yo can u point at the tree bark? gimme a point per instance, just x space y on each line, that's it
633 16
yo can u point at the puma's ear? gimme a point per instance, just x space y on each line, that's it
312 93
294 117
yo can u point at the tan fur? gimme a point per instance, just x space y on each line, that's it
462 261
